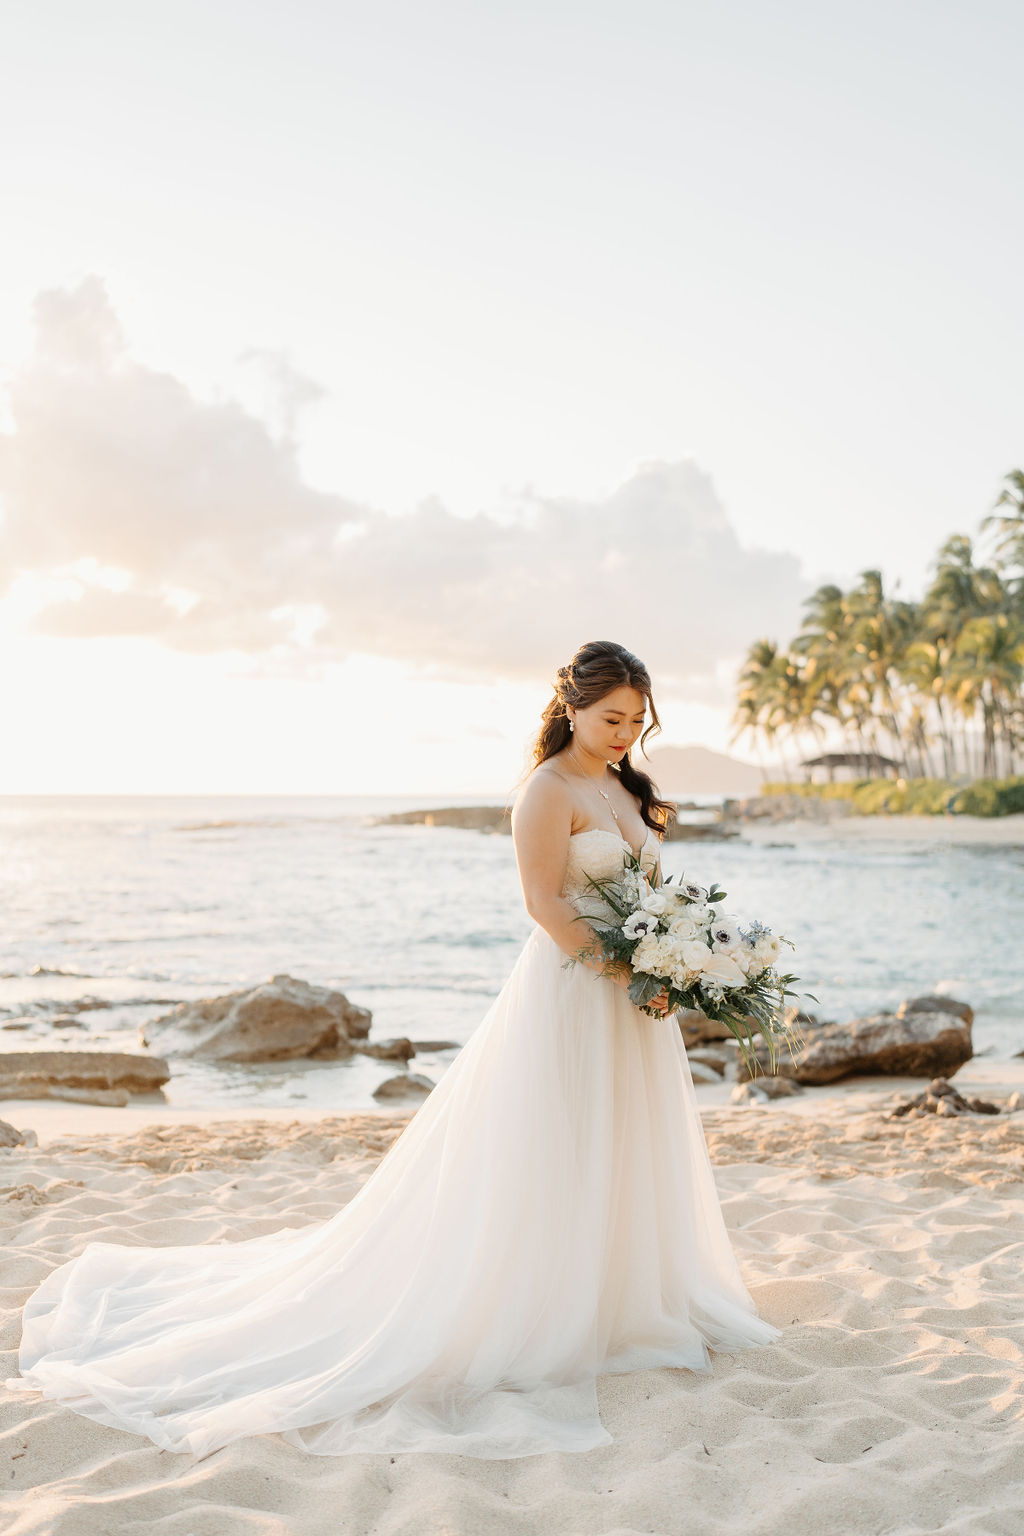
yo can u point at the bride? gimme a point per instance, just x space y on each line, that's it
549 1213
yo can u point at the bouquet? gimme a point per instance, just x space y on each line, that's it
674 941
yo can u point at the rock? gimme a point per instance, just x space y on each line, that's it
438 1045
31 1074
917 1045
942 1098
775 1086
278 1020
700 831
406 1085
10 1136
702 1073
472 818
785 807
18 1023
389 1050
936 1005
1014 1103
763 1089
696 1028
115 1098
709 1057
748 1093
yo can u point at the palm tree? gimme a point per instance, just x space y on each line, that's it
943 670
1010 543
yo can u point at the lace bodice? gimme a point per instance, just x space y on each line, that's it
599 853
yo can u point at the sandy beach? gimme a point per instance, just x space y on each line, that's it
888 1250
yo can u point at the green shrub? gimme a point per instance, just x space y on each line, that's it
916 797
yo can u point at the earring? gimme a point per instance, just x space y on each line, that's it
571 727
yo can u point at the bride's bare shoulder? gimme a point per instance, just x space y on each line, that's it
544 803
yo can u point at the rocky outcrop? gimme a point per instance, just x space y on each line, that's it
697 1029
911 1044
702 1073
774 808
407 1085
936 1005
389 1050
474 818
764 1089
44 1074
717 1057
497 818
941 1098
279 1020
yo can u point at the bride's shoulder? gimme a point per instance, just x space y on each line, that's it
545 794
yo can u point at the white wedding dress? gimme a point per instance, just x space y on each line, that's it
549 1213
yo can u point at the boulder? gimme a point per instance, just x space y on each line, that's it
941 1098
717 1058
32 1074
278 1020
936 1005
389 1050
10 1136
762 1089
438 1045
407 1085
701 1073
696 1028
917 1045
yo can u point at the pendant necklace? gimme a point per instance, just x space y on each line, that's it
600 792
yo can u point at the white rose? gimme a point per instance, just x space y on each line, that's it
767 950
654 901
683 927
701 913
647 955
692 953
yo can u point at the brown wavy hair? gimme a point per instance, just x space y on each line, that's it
596 670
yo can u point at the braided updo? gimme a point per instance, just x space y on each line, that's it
597 669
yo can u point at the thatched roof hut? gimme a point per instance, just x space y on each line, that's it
853 765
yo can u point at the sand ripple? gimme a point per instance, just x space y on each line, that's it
891 1254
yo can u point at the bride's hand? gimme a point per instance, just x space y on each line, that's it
659 1002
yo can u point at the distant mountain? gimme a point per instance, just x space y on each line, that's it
682 771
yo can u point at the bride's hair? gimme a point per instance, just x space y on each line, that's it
597 669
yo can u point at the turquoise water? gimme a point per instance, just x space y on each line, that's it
143 902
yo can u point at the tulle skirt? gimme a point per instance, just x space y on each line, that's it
549 1213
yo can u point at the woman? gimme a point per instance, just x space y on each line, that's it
548 1214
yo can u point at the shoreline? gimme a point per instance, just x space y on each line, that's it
55 1119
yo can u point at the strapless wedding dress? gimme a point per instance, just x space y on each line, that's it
549 1213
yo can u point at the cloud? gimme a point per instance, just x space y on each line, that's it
219 544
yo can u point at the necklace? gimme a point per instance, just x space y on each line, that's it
600 791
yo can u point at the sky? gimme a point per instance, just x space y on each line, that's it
358 363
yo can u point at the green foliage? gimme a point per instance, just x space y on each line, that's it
917 797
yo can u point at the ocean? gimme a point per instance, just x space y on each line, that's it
138 903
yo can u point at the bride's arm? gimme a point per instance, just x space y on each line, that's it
541 825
